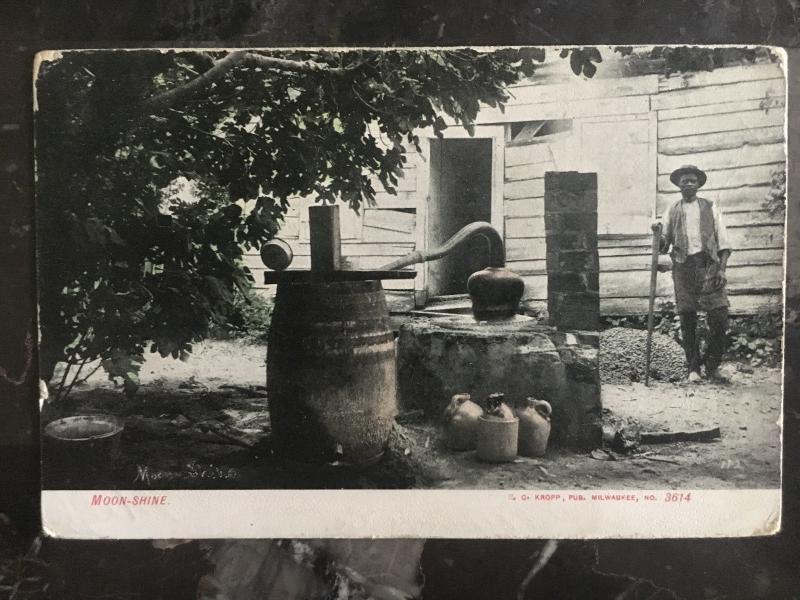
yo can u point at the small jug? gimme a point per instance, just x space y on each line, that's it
498 432
534 427
461 422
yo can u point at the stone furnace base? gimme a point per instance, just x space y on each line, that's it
520 357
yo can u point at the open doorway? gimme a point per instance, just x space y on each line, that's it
460 193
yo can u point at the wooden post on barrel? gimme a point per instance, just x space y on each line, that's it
331 374
326 245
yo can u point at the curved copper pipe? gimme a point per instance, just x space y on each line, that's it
497 252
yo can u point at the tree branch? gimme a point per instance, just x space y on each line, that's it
92 372
304 66
176 94
75 377
235 59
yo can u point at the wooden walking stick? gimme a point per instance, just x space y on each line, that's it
650 316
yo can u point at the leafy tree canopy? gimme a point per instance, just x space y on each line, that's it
126 261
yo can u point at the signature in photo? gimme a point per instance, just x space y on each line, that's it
192 471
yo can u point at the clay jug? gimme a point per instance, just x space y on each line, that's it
498 432
461 422
534 427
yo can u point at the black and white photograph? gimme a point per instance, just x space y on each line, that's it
555 268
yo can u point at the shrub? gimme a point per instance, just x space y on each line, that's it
775 199
252 315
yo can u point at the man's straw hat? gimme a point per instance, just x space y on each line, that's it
684 170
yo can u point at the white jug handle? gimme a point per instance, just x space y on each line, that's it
543 408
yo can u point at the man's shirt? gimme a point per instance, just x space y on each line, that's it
691 212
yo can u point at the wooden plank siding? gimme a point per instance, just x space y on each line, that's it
746 304
729 122
710 94
743 155
721 140
734 130
701 79
639 260
723 107
632 284
726 179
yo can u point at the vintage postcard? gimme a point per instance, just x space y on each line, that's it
435 292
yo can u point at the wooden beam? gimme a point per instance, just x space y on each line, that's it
712 94
376 234
722 140
406 199
569 109
528 154
719 76
725 159
527 188
529 171
772 104
391 220
747 304
537 92
734 199
713 123
355 248
525 227
724 179
524 207
290 228
525 249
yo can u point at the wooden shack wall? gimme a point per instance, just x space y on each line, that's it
729 122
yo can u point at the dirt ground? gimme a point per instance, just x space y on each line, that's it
203 423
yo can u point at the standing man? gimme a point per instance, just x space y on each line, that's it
697 240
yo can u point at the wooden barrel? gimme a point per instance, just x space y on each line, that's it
331 375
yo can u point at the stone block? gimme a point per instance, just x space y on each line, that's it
572 319
436 361
573 239
441 357
571 180
570 191
572 260
577 421
578 221
587 338
562 281
574 310
581 363
589 299
567 319
587 436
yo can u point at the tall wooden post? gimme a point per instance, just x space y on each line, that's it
326 246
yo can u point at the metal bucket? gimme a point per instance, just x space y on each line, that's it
79 452
331 374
